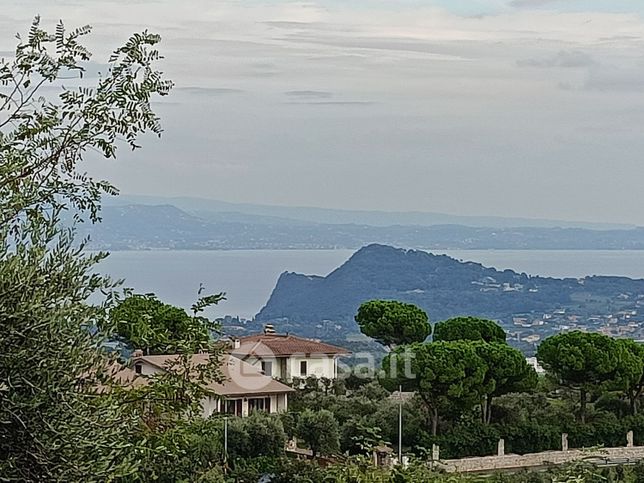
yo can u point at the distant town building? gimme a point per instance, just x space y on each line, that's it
535 364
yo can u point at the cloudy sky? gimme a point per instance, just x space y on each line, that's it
530 108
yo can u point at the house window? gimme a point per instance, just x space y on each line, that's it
138 368
267 368
234 406
303 368
259 404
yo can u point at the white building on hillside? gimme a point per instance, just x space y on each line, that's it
285 356
244 389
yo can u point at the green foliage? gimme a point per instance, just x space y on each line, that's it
282 470
41 142
612 402
45 353
144 322
259 434
469 328
359 469
176 394
507 371
531 436
579 358
631 371
364 413
541 407
414 422
188 451
359 436
289 423
447 376
583 472
371 391
393 323
586 361
599 429
53 424
467 437
528 421
363 401
506 368
319 430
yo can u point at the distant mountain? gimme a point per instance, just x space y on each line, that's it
136 227
445 287
127 227
202 206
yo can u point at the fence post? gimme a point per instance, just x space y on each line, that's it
435 452
500 449
564 442
629 439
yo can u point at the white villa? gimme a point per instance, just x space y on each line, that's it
285 356
250 371
244 389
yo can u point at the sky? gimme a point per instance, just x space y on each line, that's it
529 108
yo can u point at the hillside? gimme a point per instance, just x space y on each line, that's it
137 226
444 287
326 216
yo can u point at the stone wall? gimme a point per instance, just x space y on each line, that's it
621 455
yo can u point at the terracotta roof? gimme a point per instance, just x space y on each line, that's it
285 345
127 377
117 375
240 378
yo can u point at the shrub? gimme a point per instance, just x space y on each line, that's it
611 402
636 424
467 438
603 429
531 437
281 470
319 430
259 434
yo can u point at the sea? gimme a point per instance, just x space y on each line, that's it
249 276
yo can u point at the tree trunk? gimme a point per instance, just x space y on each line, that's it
635 398
488 410
434 421
582 408
484 409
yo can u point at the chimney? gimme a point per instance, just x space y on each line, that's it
269 329
236 343
137 354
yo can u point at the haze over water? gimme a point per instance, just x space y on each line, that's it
249 276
